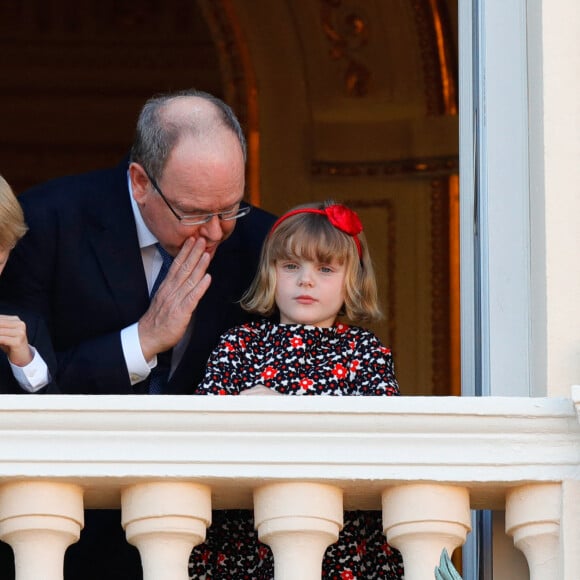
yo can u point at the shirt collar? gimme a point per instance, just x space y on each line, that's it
146 238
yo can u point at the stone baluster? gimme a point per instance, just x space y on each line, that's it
533 520
40 519
165 520
298 521
422 519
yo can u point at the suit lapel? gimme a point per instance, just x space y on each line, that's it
114 239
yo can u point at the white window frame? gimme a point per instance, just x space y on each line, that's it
494 198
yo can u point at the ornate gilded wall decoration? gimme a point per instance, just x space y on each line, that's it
347 29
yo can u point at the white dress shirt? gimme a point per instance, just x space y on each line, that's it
138 367
33 376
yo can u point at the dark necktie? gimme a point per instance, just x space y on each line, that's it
160 373
167 261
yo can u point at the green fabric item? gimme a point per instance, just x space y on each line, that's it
446 570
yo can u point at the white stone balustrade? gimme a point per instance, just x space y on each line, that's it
40 520
165 520
301 460
421 519
533 519
298 521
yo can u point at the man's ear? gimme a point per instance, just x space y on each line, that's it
139 182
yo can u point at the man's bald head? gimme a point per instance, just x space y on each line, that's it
166 119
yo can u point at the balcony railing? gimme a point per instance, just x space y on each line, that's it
299 461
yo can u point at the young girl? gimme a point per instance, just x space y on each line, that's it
314 267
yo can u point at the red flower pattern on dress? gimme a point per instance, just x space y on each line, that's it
229 346
339 371
270 357
296 341
221 558
233 535
385 350
361 548
269 373
306 383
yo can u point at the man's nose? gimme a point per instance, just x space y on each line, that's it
212 230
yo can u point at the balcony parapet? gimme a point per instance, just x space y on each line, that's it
367 448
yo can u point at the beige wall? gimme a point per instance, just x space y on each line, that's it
554 81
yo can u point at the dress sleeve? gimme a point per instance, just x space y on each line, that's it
224 369
374 370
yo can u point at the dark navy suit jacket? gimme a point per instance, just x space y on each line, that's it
80 267
39 338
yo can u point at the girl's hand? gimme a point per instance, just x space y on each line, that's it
259 390
13 340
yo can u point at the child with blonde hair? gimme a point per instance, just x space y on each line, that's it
314 268
23 367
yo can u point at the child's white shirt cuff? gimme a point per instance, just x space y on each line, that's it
33 376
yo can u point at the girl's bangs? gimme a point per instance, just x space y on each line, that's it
323 246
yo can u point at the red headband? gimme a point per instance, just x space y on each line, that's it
340 216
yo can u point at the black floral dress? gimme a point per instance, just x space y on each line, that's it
297 360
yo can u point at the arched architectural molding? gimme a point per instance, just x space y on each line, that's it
239 80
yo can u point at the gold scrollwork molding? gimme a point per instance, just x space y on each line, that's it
417 166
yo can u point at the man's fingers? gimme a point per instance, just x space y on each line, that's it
187 270
187 260
196 292
198 273
184 283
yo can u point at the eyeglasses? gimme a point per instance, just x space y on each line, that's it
202 218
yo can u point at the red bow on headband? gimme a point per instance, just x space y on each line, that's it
344 219
340 216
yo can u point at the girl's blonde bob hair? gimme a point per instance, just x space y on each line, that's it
311 236
12 225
